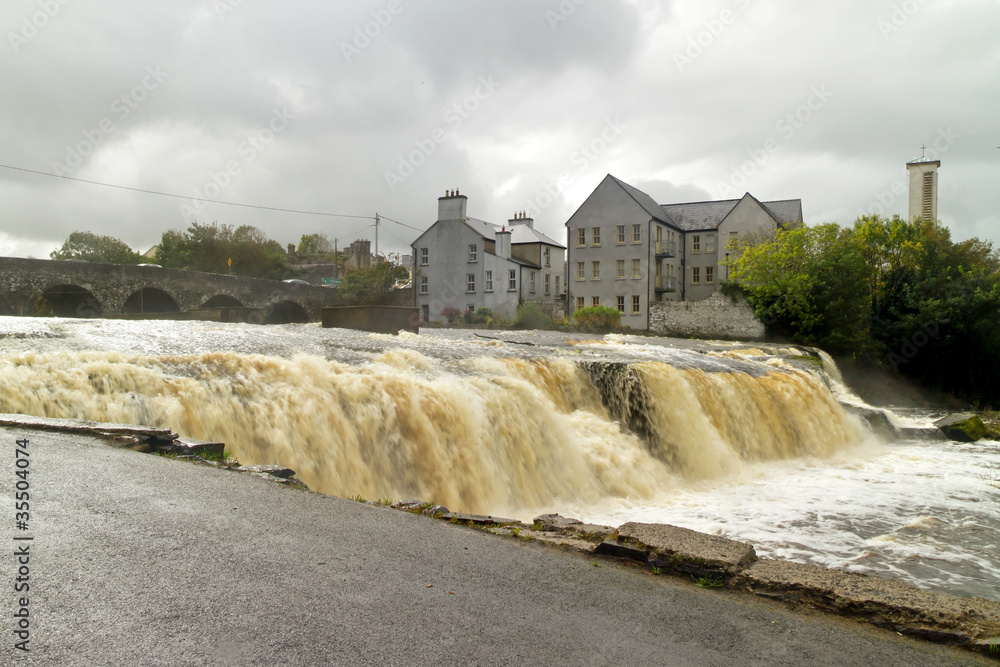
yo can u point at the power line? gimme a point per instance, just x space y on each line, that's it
416 229
211 201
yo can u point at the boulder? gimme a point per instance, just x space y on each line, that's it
963 427
877 421
688 551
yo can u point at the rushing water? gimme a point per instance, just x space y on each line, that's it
716 438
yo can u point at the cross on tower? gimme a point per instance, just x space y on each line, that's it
922 150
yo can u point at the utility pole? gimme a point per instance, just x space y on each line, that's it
376 237
336 260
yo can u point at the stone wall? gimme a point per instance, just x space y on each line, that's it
715 317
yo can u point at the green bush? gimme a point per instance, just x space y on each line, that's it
597 318
481 316
531 316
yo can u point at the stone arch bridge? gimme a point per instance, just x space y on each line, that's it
31 287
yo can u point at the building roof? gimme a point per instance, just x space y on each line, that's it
694 216
644 200
518 233
700 215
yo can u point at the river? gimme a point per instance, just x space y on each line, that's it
747 443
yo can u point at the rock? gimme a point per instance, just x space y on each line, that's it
277 471
920 433
887 602
192 447
876 420
622 550
553 522
272 478
479 519
963 427
688 551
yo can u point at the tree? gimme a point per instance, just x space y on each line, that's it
210 247
315 244
94 248
372 285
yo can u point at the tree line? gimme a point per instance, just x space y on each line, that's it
244 251
895 293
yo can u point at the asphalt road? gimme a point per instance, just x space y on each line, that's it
141 560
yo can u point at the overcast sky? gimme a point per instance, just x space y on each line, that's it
381 106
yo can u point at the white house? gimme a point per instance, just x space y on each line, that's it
626 251
465 264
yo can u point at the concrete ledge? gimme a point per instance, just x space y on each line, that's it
83 426
887 602
688 551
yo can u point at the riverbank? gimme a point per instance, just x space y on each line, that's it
709 561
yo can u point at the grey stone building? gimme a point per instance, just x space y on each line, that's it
464 263
628 252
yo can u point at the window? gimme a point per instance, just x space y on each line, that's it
424 256
620 268
512 280
636 268
547 262
581 237
636 233
595 270
473 252
595 301
696 243
620 238
581 271
532 283
635 304
557 285
709 274
621 304
733 240
710 243
595 236
579 302
423 284
489 282
470 307
548 281
470 282
695 275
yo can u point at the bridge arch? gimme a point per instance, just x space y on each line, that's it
150 300
6 308
68 301
222 301
286 312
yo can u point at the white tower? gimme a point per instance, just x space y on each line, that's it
923 188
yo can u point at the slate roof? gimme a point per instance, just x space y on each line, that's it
693 216
518 233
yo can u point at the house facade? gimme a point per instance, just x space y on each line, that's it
626 251
465 264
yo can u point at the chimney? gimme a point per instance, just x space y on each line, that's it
503 243
452 206
521 218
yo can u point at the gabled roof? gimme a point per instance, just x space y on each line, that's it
518 233
786 211
645 201
701 214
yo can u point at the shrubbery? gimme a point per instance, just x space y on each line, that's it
531 316
597 318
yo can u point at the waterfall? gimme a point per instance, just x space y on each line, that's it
482 434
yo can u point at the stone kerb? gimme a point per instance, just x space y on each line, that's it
718 316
